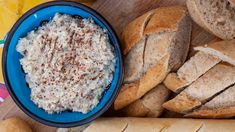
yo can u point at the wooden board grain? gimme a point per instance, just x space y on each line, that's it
119 13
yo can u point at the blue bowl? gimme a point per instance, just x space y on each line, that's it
14 76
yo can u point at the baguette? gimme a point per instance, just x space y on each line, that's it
160 125
213 82
215 16
154 44
150 104
221 106
196 66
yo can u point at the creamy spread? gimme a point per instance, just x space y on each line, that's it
69 62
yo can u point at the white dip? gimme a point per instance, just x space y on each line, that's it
69 62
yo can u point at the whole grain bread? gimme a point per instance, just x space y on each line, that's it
150 105
191 70
211 83
154 44
215 16
221 106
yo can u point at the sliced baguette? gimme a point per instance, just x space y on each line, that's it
196 66
215 16
225 50
214 81
221 106
150 104
166 31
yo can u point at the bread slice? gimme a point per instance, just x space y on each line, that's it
221 106
166 35
150 104
195 67
214 81
215 16
225 50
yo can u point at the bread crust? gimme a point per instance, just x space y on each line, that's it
134 32
182 103
213 113
150 104
225 50
174 83
165 19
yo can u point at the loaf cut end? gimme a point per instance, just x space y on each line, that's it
182 103
126 96
174 83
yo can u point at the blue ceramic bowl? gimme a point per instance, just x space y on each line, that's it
14 76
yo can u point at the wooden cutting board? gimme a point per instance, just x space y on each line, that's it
118 13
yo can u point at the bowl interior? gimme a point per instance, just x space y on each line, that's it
16 76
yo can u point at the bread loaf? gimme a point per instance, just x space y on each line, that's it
213 82
215 16
160 125
154 44
150 105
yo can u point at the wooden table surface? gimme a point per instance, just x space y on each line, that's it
118 13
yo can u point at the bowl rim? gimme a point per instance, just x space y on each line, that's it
118 48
